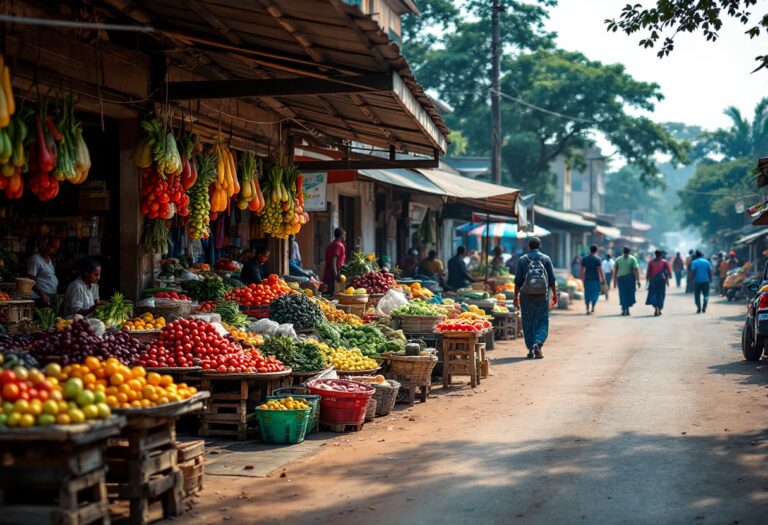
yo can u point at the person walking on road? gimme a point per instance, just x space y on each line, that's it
701 275
535 277
722 272
607 265
627 280
657 278
593 277
688 278
678 267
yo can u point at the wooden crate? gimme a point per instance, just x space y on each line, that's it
460 357
13 312
55 475
230 411
191 461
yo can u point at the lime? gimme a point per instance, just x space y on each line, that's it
85 398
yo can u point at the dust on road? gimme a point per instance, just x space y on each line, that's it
626 420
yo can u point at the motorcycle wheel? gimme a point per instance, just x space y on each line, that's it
751 349
730 294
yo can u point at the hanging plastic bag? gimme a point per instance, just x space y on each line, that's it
391 300
264 327
287 331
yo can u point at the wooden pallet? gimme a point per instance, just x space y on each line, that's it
56 475
341 428
143 468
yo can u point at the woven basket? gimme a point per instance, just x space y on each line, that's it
144 336
370 412
374 298
419 324
385 396
24 286
348 298
412 370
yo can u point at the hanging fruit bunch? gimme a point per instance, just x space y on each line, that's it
7 102
157 155
251 197
13 156
283 213
43 155
73 161
199 199
226 184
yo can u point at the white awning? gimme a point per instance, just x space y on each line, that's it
484 195
746 239
408 179
609 231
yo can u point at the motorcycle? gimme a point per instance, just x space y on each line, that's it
733 285
754 335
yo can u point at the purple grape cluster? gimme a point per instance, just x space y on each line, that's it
79 341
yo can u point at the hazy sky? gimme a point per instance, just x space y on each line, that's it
699 79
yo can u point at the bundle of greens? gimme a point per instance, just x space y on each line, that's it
212 288
419 307
367 338
298 355
115 311
230 313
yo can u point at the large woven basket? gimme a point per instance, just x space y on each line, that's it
418 324
385 396
412 370
370 411
349 298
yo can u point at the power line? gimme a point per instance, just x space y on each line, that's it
544 110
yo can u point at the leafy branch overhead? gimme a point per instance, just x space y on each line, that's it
662 23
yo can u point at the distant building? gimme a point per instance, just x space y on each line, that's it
478 168
581 190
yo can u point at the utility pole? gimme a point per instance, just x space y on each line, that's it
495 103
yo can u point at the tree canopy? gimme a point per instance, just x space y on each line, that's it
553 101
671 17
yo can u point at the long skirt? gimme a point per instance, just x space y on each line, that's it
627 290
591 291
535 316
657 292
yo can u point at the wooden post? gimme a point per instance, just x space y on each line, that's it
132 262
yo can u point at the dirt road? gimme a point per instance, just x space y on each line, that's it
626 420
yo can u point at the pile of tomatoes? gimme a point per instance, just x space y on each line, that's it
173 296
192 342
261 294
206 306
463 325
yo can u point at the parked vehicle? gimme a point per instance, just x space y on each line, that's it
754 336
734 285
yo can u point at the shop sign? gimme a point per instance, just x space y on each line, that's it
315 185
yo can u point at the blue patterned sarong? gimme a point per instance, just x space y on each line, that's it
535 317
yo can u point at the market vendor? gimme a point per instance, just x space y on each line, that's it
335 257
253 266
82 295
458 275
40 269
432 267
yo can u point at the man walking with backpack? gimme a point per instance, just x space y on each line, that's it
535 277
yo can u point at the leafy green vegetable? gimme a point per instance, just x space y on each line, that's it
230 313
329 334
297 309
46 317
419 307
115 311
300 356
209 289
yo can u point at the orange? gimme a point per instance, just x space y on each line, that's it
166 380
100 373
112 401
111 390
122 398
92 363
138 371
134 384
133 395
136 404
148 391
153 378
124 388
89 378
116 379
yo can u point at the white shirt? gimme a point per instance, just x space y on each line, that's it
607 265
80 296
43 273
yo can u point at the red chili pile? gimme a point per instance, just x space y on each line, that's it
192 342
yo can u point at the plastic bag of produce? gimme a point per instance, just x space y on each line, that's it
286 330
391 300
264 327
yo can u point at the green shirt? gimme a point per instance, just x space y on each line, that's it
625 265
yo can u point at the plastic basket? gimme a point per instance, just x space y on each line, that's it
257 312
283 426
301 393
341 408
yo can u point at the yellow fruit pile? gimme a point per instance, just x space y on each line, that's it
145 322
416 290
62 324
126 387
335 315
244 337
347 359
284 403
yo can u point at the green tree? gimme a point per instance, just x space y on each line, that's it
743 138
709 197
553 102
671 17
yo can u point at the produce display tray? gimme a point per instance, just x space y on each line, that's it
460 335
358 372
80 434
177 408
173 369
250 375
297 373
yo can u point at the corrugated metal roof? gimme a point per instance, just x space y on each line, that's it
302 38
564 217
746 239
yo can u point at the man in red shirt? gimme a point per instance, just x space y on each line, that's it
335 257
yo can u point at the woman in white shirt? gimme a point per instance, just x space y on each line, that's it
82 294
607 266
40 268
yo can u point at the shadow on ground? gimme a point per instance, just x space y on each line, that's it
628 478
751 372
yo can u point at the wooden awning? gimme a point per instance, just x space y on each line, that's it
323 65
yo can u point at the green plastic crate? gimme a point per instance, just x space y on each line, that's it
283 426
314 403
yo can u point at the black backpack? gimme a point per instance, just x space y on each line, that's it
536 279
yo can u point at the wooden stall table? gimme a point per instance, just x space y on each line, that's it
460 356
234 398
505 325
56 474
